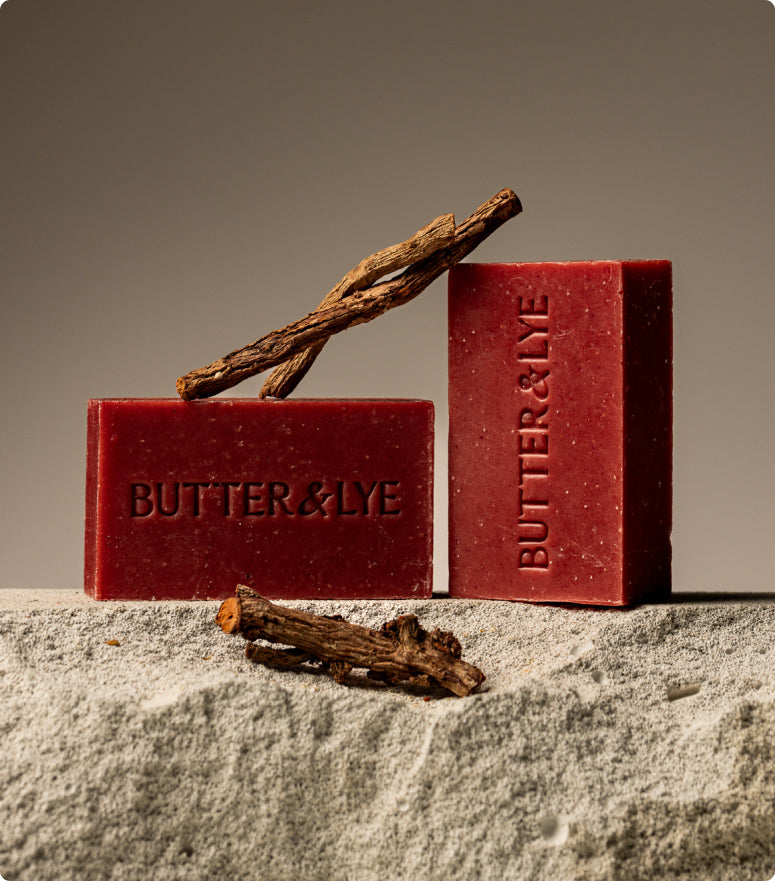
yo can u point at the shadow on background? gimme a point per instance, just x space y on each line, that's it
721 597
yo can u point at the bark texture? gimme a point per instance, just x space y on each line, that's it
438 234
401 650
357 307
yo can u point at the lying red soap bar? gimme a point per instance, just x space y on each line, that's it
298 499
560 431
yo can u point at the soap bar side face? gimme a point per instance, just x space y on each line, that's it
298 499
539 497
91 538
648 429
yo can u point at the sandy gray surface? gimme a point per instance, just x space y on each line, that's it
605 744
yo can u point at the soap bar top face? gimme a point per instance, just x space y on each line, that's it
297 499
561 431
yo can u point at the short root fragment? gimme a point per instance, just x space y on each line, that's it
401 651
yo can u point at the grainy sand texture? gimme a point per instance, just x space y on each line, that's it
629 745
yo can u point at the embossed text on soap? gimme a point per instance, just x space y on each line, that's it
260 498
533 433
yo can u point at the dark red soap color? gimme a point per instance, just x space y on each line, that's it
599 532
372 542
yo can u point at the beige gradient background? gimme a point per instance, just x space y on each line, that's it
179 177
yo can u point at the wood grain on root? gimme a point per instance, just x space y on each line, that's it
356 307
438 234
400 650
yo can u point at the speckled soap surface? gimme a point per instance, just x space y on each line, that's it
560 398
298 499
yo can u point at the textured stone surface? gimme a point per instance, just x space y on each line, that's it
170 756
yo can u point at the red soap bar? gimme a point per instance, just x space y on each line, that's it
297 499
560 431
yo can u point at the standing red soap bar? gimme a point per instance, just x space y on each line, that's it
560 434
298 499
